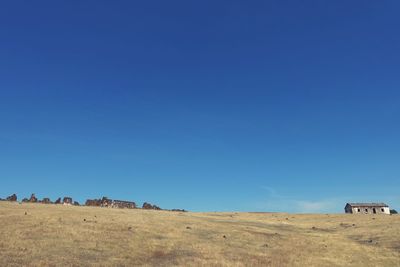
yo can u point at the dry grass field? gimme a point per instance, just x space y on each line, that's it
56 235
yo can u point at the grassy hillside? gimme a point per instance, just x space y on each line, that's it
54 235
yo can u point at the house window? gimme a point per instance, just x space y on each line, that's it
358 210
382 210
366 210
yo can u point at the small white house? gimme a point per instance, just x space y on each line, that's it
367 208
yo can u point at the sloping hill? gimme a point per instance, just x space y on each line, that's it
56 235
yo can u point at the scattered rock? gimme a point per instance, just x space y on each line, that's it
89 221
265 245
224 236
129 228
26 213
25 200
346 225
188 227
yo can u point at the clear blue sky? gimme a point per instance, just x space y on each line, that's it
203 105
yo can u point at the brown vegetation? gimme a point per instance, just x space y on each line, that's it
56 235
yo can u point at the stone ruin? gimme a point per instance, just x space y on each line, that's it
109 203
103 202
13 197
33 199
121 204
67 201
46 200
148 206
106 202
93 202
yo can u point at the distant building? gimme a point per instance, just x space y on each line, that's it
367 208
123 204
109 203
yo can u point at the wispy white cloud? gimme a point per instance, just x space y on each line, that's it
275 201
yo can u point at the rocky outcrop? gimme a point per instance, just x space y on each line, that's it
46 200
109 203
33 199
93 202
103 202
106 202
122 204
25 200
67 201
13 197
148 206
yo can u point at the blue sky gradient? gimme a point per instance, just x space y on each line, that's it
269 106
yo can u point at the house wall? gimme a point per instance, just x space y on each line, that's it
370 210
348 209
386 210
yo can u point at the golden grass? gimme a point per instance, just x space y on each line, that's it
56 235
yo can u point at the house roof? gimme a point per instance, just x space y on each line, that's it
368 204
